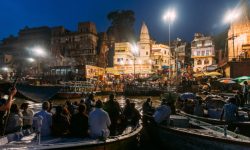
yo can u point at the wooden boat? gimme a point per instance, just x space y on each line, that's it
74 89
243 126
136 90
128 140
188 133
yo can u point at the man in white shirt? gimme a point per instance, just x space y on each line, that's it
99 122
46 120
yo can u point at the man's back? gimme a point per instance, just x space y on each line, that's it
98 121
162 114
230 112
46 122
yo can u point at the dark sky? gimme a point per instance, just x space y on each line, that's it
192 15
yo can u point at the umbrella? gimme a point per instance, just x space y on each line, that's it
198 74
242 78
187 96
214 73
227 81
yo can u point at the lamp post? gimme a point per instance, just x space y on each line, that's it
134 52
230 17
38 52
169 17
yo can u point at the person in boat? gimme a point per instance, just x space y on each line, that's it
147 107
127 108
90 102
114 110
79 122
198 108
135 115
42 121
245 91
27 115
147 110
60 123
230 113
240 101
4 107
188 106
99 122
14 120
162 113
71 108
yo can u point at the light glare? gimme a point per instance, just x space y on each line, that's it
170 15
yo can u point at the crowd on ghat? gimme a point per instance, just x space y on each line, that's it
89 118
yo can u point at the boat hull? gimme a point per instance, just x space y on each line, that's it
123 142
175 139
243 126
168 137
72 95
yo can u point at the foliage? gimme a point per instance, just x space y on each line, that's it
122 22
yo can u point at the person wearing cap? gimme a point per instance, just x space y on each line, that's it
245 91
99 122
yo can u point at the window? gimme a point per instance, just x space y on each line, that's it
146 53
202 53
119 59
207 52
206 61
198 53
199 62
165 52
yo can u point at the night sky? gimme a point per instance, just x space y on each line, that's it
203 16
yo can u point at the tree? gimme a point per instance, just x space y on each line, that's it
122 26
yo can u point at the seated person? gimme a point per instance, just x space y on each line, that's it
198 109
15 120
27 116
60 123
99 122
147 107
135 115
162 113
42 120
79 122
188 106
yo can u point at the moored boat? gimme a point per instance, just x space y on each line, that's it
127 140
187 133
75 89
243 126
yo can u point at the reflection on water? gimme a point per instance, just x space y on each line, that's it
138 100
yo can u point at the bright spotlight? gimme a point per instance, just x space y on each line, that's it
31 60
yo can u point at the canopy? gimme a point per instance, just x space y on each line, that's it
198 74
214 73
242 78
187 96
227 81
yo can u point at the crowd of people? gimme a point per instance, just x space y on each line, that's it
88 118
